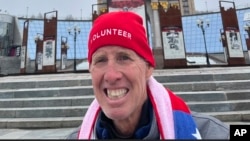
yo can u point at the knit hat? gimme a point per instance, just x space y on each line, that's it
123 29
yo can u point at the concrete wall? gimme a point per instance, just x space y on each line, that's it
9 65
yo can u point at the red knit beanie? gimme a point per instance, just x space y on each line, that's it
123 29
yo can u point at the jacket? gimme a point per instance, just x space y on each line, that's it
209 127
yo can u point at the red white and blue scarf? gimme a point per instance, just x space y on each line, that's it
173 116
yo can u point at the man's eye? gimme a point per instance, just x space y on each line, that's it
100 60
123 58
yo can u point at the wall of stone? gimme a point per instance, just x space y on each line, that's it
9 65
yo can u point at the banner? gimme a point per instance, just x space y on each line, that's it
173 43
39 61
64 60
48 53
23 53
234 43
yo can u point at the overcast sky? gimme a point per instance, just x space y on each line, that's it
34 7
213 5
78 8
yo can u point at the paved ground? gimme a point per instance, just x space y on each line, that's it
35 133
63 132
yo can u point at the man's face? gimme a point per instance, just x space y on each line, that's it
119 78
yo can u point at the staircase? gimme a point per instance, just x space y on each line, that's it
61 100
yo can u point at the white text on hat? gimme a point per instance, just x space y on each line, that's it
111 32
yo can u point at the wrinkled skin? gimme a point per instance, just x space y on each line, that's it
123 74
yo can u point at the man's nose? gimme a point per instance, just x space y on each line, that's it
112 73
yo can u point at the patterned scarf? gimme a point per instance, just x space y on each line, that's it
173 116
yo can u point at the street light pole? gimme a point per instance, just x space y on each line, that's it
203 32
76 31
81 15
200 23
75 49
27 11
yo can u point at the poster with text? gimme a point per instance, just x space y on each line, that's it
39 61
234 43
48 53
64 59
173 44
249 53
23 53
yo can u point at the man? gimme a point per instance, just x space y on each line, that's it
129 103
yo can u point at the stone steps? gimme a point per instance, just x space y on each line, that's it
191 93
209 85
51 98
163 76
87 89
232 117
46 92
61 100
51 122
56 108
46 102
221 106
37 112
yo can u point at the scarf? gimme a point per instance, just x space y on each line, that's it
173 116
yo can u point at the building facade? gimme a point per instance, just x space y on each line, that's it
10 37
187 6
193 39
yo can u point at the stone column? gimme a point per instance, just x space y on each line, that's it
156 36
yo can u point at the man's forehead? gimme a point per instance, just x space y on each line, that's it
114 49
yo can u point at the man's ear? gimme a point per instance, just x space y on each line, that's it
149 72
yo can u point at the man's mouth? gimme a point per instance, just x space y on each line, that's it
116 93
